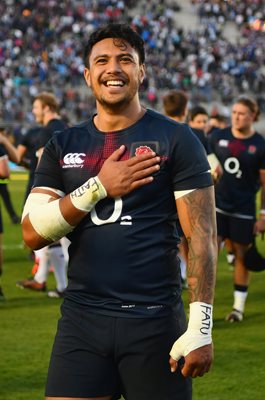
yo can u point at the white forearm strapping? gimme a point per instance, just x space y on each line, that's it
46 217
48 221
199 332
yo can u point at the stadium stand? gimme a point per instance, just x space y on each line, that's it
41 49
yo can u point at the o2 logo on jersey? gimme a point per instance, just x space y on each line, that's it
117 211
74 160
232 166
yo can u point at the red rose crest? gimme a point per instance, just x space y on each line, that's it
142 150
252 149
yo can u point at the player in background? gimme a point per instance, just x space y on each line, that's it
131 171
4 191
7 152
46 112
241 151
216 121
26 149
198 118
175 104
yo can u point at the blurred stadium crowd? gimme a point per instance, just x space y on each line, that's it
41 44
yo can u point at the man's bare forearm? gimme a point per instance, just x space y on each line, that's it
202 242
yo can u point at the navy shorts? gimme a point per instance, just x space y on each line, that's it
179 228
236 229
96 355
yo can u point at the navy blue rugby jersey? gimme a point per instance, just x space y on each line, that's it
203 139
241 160
123 255
47 131
31 141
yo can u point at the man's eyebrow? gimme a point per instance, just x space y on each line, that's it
100 56
109 55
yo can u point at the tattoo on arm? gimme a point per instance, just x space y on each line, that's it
202 257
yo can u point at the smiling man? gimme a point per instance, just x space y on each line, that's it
122 314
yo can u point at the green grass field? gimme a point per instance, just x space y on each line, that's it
28 322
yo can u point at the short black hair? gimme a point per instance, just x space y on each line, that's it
197 110
115 31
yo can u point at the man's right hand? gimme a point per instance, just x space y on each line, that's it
122 177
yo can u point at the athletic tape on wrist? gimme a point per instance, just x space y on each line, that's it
198 333
262 213
87 196
213 161
46 217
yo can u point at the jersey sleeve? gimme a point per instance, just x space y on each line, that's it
213 138
262 158
189 164
48 172
44 137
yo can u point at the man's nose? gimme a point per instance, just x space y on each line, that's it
114 66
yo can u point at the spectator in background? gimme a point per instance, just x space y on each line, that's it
41 48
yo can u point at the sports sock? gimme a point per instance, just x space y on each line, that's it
42 272
65 244
57 260
182 267
240 296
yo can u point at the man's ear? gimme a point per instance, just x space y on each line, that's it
87 76
46 108
142 72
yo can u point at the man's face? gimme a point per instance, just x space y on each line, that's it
114 72
38 111
200 121
242 118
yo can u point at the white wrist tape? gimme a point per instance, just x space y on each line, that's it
46 217
88 195
262 213
214 162
199 332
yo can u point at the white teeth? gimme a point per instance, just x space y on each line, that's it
114 83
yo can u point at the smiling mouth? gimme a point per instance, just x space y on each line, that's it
114 83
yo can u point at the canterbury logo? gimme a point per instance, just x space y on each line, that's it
74 160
